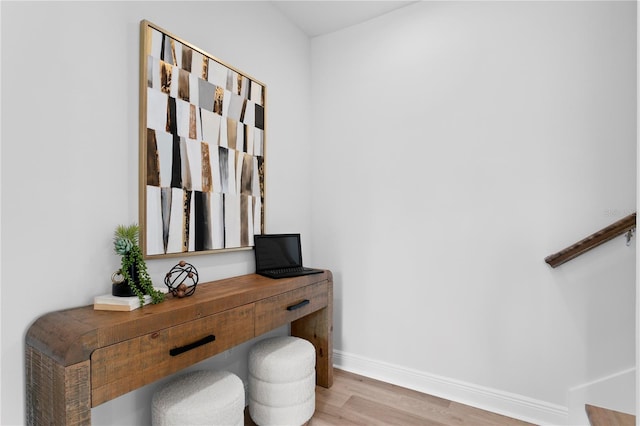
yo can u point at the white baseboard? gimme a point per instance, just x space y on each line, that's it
497 401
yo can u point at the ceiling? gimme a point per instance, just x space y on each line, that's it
321 17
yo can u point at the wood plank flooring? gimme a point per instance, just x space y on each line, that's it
358 400
599 416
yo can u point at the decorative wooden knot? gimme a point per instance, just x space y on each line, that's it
117 277
182 279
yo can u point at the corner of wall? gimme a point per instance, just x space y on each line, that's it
616 392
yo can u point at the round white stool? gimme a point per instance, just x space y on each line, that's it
200 398
282 381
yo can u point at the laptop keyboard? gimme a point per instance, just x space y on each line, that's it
281 271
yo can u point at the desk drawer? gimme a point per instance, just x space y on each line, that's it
284 308
120 368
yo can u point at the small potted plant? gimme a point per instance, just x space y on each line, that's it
135 277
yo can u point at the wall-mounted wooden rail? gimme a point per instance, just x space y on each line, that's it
620 227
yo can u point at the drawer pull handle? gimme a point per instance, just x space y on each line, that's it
185 348
298 305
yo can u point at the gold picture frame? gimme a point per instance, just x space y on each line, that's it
202 150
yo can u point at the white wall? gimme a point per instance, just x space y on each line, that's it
69 154
455 146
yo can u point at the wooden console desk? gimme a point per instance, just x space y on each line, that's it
79 358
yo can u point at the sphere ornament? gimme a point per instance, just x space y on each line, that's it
182 279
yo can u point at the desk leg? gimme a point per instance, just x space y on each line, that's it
56 395
318 329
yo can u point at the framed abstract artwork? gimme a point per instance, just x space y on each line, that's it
202 150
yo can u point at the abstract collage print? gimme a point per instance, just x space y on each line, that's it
205 142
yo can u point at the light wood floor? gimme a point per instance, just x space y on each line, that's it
599 416
358 400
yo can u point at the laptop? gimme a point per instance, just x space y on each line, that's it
280 256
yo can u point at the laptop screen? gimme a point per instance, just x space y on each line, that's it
274 251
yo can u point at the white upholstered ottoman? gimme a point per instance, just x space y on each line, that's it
200 398
282 381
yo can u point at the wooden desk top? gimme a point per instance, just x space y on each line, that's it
70 336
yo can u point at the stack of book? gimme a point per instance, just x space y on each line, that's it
108 302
